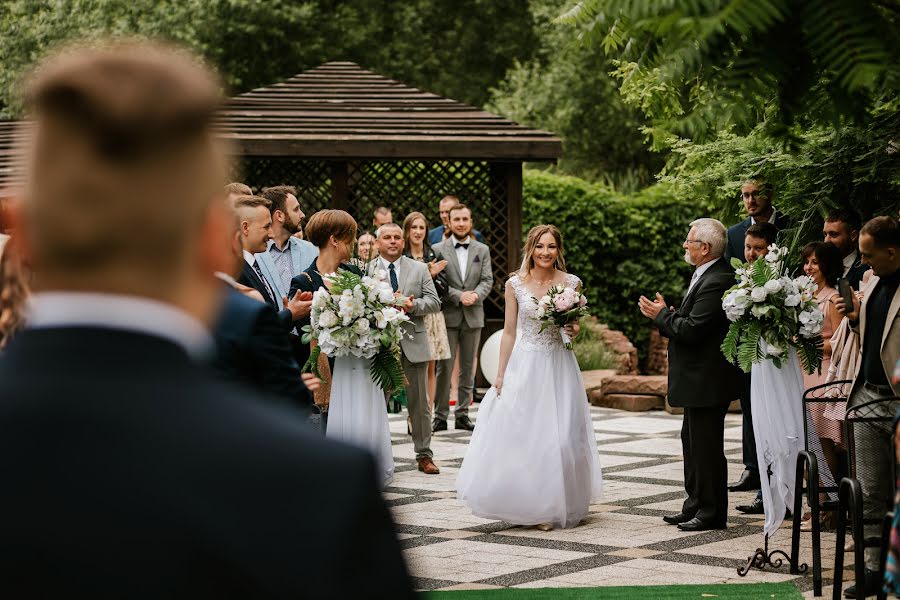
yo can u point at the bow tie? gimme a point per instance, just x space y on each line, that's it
458 245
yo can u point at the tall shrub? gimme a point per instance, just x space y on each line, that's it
620 246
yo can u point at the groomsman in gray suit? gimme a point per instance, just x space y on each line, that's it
469 278
412 280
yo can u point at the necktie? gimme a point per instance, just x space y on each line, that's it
458 245
393 273
694 279
266 283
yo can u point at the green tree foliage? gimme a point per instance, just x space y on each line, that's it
854 167
566 88
621 246
457 48
698 67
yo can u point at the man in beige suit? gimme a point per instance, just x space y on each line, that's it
412 280
877 319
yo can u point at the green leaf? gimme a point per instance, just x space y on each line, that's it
386 370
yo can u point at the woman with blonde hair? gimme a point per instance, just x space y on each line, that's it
533 457
415 236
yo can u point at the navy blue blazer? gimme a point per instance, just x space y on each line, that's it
737 233
252 348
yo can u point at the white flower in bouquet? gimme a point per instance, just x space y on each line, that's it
328 319
560 306
773 286
783 315
362 326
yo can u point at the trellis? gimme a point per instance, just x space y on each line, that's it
351 139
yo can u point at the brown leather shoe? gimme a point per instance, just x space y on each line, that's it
427 466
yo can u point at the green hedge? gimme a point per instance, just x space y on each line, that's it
620 246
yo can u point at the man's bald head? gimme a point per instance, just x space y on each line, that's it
122 166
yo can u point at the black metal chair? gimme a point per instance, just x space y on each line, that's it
814 475
870 418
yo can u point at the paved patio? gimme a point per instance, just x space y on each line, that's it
624 540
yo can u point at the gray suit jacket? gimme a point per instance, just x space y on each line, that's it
302 255
479 278
414 280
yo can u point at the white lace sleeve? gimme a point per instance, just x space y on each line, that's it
574 281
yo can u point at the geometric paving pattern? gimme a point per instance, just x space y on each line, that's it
623 541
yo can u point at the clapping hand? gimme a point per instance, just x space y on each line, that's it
407 304
300 305
651 308
436 266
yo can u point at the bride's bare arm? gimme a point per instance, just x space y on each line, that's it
508 340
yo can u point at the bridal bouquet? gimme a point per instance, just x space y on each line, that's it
770 312
358 317
560 306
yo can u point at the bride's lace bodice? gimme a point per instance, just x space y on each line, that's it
528 328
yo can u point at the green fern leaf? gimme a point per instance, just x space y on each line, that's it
386 371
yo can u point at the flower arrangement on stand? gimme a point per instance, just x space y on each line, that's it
560 306
358 317
770 312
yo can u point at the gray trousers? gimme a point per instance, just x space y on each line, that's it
463 341
417 405
872 443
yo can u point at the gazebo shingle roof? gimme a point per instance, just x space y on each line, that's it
339 110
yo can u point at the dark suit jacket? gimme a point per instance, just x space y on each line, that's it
252 348
131 472
310 281
737 233
699 375
251 279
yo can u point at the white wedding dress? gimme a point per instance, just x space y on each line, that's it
533 456
357 413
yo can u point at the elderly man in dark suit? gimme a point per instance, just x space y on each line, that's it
129 470
700 379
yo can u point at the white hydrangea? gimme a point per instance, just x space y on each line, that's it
758 294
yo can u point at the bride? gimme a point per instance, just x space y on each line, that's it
533 457
357 413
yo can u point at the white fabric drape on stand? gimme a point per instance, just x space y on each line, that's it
776 397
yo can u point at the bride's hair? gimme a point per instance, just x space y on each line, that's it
531 240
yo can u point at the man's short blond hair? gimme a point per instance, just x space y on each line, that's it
123 163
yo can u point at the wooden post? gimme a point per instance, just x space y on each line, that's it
514 213
340 190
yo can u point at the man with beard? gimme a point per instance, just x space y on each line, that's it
757 195
701 380
841 228
469 279
285 255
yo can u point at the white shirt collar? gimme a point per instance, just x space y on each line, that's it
771 218
385 263
849 260
251 259
116 311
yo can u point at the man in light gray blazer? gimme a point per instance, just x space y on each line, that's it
412 280
469 278
285 256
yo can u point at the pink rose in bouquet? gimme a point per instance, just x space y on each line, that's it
559 307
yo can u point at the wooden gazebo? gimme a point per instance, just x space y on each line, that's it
352 139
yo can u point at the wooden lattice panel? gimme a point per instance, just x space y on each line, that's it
404 187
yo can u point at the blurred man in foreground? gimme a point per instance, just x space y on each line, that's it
129 471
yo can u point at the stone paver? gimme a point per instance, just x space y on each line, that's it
622 542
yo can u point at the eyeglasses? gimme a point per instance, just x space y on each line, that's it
694 242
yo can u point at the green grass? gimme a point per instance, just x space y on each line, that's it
591 352
748 591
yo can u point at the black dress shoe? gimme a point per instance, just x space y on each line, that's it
872 583
747 481
754 508
438 425
676 519
696 524
464 423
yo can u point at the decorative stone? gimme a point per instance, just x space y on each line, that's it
652 385
629 402
593 380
